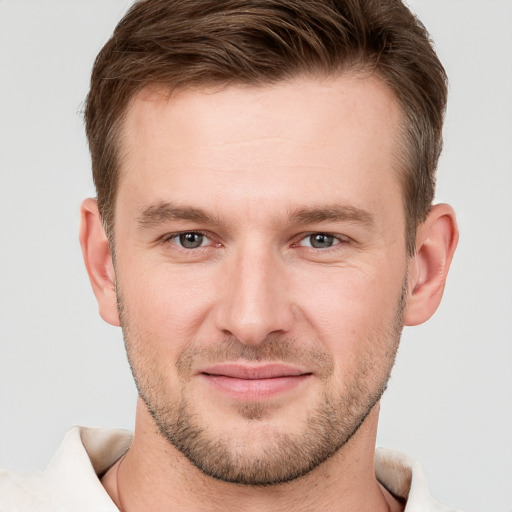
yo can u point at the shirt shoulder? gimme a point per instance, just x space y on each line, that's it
71 481
404 478
24 492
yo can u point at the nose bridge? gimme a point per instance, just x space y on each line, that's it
255 302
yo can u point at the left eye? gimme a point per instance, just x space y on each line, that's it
319 241
190 240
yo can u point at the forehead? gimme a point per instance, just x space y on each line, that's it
319 101
276 140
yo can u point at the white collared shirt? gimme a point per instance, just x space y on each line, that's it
70 482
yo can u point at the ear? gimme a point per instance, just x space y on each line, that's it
436 241
98 261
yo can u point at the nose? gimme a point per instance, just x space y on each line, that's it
255 298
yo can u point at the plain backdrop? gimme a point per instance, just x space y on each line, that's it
449 403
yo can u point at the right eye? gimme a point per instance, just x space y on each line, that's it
319 241
189 240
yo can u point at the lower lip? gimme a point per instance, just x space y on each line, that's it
255 389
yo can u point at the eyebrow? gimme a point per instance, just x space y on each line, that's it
164 212
160 213
334 213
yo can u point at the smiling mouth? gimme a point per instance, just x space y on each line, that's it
245 382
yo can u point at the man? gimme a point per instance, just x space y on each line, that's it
262 231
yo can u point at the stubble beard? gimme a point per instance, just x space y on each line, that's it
280 457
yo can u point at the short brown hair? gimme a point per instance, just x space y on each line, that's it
197 43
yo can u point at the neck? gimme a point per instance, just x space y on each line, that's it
153 475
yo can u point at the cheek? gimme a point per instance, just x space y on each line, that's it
353 314
166 302
348 301
360 327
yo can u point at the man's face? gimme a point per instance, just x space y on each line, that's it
261 268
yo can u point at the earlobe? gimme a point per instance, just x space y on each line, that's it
436 241
98 261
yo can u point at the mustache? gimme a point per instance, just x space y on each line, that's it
272 349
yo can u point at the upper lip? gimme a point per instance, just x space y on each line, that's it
253 372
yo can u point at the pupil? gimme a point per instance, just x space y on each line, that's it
321 241
191 240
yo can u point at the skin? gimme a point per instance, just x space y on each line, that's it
256 172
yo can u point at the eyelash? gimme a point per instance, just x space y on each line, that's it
175 236
337 239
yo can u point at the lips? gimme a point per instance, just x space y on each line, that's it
247 382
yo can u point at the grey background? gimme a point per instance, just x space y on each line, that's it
449 403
